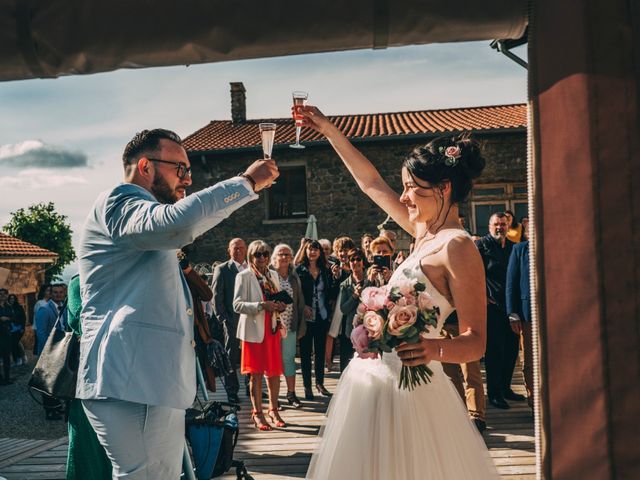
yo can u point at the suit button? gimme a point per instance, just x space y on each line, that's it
189 312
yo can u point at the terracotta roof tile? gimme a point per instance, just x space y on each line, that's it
223 134
14 247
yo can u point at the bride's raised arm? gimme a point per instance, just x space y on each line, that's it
365 174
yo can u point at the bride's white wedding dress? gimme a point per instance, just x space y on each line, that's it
375 431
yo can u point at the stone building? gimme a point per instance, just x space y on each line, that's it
22 267
314 180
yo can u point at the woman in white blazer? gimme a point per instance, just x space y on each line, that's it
259 331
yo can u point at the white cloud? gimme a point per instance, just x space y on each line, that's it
34 153
38 179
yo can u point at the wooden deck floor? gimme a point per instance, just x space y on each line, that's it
285 454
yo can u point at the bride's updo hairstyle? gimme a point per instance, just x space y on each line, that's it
437 161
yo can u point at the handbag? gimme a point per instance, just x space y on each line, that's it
280 296
56 370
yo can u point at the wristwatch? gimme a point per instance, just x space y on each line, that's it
514 317
260 306
250 179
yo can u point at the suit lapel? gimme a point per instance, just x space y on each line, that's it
233 268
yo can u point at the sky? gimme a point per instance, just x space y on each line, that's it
61 140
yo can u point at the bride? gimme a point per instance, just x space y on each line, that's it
374 430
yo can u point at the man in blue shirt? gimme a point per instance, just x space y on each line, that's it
137 363
519 309
45 320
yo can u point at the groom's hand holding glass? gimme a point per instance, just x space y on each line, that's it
261 174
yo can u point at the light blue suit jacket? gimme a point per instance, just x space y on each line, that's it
137 313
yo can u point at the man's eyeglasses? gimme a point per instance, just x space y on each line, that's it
181 168
261 254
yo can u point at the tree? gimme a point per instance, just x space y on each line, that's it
41 225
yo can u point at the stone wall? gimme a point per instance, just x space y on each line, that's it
332 195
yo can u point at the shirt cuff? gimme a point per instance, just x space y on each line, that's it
247 184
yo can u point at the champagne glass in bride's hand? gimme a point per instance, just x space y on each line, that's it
299 99
268 134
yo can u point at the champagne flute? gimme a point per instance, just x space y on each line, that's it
299 99
268 133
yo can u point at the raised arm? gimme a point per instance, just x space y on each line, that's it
362 170
145 224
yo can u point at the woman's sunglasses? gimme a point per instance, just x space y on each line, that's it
261 254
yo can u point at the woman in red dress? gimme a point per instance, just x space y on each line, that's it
259 331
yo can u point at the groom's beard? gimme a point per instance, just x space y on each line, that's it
162 191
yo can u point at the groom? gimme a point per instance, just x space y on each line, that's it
137 363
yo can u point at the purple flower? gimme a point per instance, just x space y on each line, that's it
360 338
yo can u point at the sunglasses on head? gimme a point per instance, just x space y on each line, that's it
261 254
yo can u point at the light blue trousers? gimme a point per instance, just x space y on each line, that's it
143 442
289 354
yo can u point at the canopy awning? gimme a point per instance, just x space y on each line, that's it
67 37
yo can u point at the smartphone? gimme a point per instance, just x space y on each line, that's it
382 261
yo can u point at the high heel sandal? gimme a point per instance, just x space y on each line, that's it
260 423
275 416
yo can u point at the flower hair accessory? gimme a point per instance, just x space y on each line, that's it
451 154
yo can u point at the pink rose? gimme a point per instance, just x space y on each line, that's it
406 301
374 298
360 339
425 302
401 318
406 286
373 323
452 152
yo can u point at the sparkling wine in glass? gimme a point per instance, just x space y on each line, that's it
299 99
268 133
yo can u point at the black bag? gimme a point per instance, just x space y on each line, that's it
56 371
281 296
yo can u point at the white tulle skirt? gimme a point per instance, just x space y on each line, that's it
374 431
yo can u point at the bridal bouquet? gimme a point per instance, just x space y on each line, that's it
390 316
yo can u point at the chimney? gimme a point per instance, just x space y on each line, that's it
238 103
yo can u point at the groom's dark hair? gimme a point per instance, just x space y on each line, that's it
147 142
